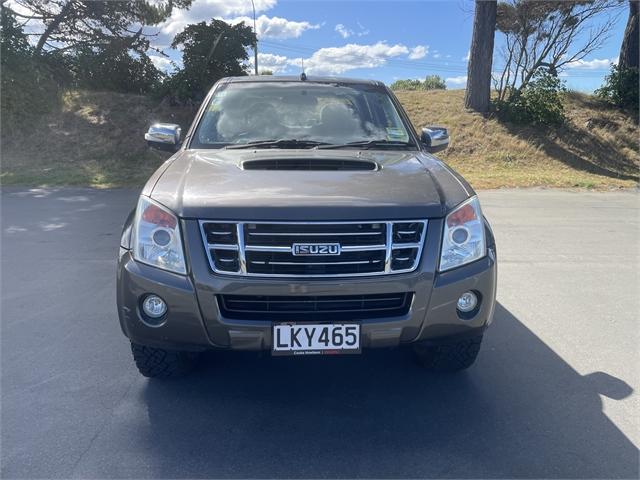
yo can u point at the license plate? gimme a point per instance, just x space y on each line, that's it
315 339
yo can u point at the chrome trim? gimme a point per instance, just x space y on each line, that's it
389 248
241 248
241 256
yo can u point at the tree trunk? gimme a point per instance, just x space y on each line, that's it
630 49
478 94
52 27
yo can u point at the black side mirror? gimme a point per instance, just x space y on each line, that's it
435 139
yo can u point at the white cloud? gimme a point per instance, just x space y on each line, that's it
162 63
456 81
275 27
347 32
269 61
467 56
337 60
418 52
343 31
205 10
436 54
594 64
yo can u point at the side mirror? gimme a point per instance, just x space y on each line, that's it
164 136
435 139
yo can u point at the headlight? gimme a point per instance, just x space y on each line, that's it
156 237
463 240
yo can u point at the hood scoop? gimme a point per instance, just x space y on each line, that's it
310 164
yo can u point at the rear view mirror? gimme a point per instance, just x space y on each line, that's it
164 136
435 139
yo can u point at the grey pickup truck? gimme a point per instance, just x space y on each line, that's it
304 216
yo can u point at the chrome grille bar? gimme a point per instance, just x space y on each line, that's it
246 255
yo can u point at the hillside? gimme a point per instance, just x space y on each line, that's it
97 139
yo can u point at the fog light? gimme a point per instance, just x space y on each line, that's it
467 302
153 306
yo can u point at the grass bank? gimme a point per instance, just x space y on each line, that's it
96 139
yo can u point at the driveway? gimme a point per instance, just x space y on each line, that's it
554 392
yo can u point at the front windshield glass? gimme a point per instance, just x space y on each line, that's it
241 113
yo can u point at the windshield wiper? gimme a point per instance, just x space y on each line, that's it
369 144
282 143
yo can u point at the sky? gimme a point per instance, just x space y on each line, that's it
385 40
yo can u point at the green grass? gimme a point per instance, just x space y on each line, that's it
96 139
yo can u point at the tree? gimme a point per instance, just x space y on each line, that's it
60 25
434 82
431 82
548 34
28 89
112 68
210 51
630 49
478 94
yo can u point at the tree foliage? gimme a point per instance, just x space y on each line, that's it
431 82
621 88
540 103
28 87
549 34
210 51
60 25
112 67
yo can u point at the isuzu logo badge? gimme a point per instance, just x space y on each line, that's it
315 249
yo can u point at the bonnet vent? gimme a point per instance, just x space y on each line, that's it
322 164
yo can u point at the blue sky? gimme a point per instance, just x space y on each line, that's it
385 40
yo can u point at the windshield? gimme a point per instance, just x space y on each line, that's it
299 115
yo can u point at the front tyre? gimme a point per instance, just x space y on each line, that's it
448 356
160 363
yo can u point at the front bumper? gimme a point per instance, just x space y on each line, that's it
194 320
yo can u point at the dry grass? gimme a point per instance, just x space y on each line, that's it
97 140
492 154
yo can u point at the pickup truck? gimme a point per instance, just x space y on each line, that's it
304 216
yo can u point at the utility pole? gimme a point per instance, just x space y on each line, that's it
255 42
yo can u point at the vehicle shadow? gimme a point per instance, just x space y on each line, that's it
521 411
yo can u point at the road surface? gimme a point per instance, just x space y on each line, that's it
554 392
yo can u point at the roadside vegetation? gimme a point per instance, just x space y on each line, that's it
81 88
96 139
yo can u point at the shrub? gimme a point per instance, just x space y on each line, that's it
432 82
539 103
621 87
28 86
115 68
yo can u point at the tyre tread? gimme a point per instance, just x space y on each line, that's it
160 363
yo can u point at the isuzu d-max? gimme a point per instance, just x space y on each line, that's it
304 216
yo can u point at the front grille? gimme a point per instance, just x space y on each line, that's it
313 249
314 308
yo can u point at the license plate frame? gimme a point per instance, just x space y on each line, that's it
281 342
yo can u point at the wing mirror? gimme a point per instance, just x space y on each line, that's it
435 139
164 136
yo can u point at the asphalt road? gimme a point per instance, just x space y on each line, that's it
554 392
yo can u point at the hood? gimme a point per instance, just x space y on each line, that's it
214 184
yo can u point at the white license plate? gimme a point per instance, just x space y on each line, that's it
309 339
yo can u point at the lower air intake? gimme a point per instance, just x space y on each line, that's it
314 308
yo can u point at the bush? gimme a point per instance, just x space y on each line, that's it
539 103
432 82
113 68
28 86
621 87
